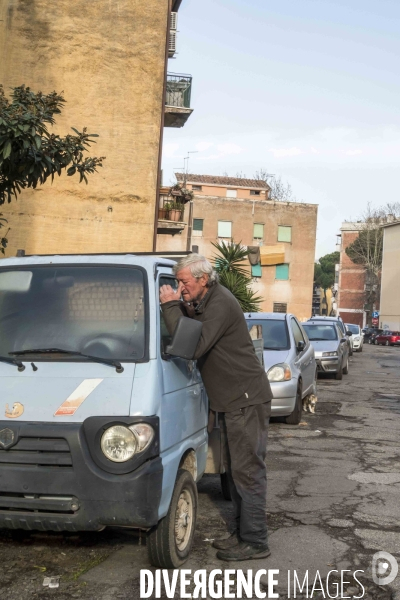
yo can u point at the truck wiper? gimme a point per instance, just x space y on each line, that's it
106 361
13 361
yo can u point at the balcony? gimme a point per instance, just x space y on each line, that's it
177 100
170 216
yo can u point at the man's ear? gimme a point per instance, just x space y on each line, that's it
204 280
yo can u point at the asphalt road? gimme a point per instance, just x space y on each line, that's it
333 502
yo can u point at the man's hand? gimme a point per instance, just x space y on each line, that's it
167 293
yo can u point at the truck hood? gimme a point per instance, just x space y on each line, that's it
64 391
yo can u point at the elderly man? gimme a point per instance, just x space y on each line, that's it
237 388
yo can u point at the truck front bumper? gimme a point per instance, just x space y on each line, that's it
50 482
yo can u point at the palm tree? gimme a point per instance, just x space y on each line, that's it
234 276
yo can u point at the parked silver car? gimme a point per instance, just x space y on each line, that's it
289 362
338 321
331 348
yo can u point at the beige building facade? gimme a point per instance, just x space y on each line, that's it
110 61
226 208
390 281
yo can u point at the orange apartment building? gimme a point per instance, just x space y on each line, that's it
238 209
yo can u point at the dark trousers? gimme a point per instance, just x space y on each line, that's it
244 434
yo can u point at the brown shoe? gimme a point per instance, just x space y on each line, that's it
227 543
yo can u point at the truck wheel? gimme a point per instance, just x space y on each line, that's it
295 417
170 541
226 492
339 373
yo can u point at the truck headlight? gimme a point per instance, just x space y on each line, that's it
120 443
280 373
330 353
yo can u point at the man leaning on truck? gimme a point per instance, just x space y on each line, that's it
237 388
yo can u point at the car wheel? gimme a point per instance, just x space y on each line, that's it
339 374
295 417
226 491
350 351
360 349
387 343
376 343
346 368
170 541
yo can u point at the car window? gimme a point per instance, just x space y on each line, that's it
297 333
275 334
320 332
353 328
164 334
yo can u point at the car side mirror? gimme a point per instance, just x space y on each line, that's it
343 341
185 339
349 332
300 346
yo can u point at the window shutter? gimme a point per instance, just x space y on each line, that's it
197 224
284 234
282 272
225 229
258 232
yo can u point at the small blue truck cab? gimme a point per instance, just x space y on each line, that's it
102 422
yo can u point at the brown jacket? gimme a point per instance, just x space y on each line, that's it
232 374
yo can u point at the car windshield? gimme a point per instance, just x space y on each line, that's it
96 310
353 328
320 332
275 334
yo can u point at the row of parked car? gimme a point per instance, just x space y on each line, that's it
294 354
382 337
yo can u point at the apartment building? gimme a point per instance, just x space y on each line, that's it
110 61
390 282
239 209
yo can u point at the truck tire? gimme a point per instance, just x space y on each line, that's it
169 543
295 417
226 492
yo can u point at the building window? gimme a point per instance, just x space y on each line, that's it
282 272
231 193
258 231
284 233
197 227
280 307
225 229
255 192
197 188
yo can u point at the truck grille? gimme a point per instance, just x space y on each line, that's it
38 452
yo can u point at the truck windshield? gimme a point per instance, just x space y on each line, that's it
96 310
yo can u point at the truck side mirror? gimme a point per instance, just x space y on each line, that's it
185 339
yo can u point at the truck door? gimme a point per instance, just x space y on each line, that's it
184 408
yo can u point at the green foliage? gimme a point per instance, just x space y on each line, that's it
29 153
232 275
367 248
324 270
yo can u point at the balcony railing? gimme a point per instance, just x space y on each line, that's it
179 88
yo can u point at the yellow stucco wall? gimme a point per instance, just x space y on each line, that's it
390 283
108 58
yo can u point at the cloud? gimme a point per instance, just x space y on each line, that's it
225 149
202 146
169 150
283 152
353 152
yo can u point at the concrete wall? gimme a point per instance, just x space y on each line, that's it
216 190
390 283
300 253
108 58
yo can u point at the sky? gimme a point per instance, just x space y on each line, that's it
308 90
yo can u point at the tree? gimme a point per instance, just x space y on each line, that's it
280 191
233 275
29 153
324 272
367 248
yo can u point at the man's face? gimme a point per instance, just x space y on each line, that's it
193 289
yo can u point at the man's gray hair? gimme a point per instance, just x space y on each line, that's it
198 266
